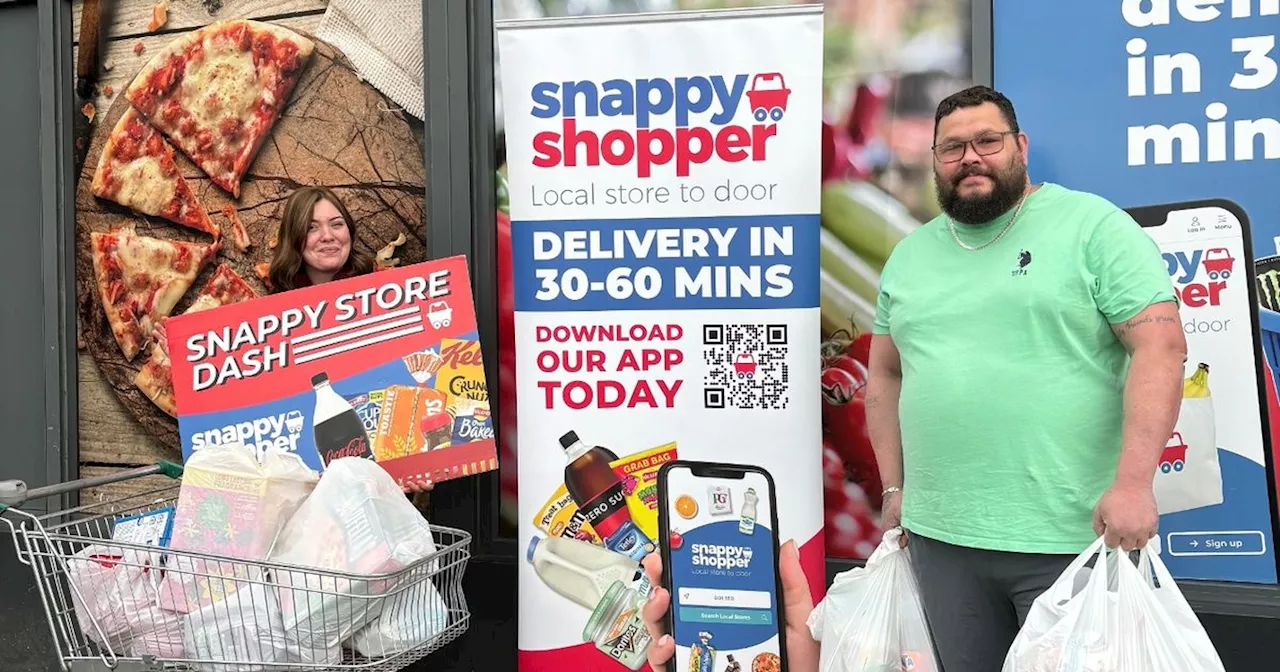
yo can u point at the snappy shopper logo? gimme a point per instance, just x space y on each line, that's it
687 121
279 431
1200 276
720 556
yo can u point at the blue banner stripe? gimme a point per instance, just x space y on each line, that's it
692 263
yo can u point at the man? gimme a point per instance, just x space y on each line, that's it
1025 373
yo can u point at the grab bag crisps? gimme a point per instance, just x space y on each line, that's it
1190 476
872 617
1119 618
357 521
231 505
639 474
409 618
113 592
245 627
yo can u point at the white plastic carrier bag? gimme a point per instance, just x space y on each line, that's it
356 523
1113 617
114 595
872 617
1190 476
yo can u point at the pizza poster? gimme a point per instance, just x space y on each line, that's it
664 199
384 366
1173 112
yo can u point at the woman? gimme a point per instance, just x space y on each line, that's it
315 245
315 242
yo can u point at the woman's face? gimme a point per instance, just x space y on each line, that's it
328 241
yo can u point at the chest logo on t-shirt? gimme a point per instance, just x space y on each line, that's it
1024 260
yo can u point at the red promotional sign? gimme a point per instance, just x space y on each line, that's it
385 366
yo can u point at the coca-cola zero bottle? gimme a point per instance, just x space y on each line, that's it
597 490
338 429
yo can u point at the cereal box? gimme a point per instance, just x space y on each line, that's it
461 372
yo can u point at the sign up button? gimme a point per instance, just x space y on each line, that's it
1247 542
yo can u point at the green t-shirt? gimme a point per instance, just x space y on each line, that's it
1012 380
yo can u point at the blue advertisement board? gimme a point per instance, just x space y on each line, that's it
1170 109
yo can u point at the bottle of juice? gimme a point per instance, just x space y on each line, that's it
581 570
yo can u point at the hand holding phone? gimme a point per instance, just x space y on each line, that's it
730 597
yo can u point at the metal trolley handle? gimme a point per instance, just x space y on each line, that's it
15 493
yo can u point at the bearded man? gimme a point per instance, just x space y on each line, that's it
1025 374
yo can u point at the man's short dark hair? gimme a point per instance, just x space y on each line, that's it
972 97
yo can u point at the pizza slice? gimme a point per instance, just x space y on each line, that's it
137 170
217 91
155 378
140 279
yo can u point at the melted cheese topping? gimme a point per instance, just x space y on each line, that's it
223 83
144 186
144 257
202 302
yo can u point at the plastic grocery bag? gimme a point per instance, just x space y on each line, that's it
356 521
245 627
114 598
1190 476
1115 617
872 619
409 618
232 505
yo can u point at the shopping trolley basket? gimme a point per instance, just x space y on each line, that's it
103 598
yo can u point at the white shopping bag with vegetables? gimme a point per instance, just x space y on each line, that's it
1189 476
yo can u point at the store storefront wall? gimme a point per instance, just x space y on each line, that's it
461 151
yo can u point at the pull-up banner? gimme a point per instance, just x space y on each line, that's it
1169 109
664 189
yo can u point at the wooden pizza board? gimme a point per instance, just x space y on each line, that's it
336 131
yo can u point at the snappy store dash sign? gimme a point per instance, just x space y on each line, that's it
275 341
396 350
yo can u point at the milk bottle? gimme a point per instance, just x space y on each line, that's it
582 571
747 524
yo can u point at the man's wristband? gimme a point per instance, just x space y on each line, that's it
890 490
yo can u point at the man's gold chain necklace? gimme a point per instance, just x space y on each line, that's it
951 224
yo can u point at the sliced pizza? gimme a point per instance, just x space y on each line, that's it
217 91
155 378
138 170
141 279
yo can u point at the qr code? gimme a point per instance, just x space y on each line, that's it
746 366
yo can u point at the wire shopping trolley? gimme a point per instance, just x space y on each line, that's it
108 606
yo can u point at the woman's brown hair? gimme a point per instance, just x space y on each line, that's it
294 225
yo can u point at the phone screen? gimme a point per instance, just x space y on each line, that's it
1211 485
722 564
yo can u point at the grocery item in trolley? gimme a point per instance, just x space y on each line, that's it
357 521
409 618
246 627
231 505
114 600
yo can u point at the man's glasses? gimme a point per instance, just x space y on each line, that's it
985 145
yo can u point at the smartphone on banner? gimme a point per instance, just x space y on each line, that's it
1215 483
719 529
